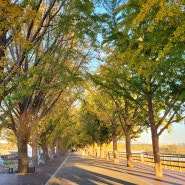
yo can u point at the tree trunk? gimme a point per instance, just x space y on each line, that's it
106 151
45 152
34 149
22 135
90 150
156 152
52 148
155 140
98 150
2 54
101 151
115 148
2 46
57 153
94 150
22 155
128 150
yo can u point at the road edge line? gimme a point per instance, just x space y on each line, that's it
47 183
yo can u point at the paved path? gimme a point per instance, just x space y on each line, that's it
86 170
75 169
43 173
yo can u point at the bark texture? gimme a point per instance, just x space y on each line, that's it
45 152
34 149
115 148
155 140
22 156
128 150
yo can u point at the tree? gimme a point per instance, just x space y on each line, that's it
133 123
131 114
156 65
58 122
103 106
43 53
93 130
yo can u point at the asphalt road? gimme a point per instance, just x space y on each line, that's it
86 170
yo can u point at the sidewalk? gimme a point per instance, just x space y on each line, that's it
40 177
86 170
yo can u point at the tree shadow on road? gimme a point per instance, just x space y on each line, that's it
147 172
144 172
76 175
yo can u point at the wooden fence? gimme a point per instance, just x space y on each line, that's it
168 161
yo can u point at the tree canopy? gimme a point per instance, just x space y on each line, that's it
45 79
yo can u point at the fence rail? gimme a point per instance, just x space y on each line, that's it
168 161
11 165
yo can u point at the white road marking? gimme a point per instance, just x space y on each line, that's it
47 183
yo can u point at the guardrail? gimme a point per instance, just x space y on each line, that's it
168 161
11 166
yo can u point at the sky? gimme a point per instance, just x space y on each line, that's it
176 136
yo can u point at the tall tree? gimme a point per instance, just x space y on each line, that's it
43 53
103 106
130 112
57 121
94 131
154 54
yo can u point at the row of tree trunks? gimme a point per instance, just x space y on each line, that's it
23 161
103 152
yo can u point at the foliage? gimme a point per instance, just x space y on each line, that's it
42 54
138 60
94 130
154 66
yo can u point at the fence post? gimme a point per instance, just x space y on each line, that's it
171 163
109 155
179 163
142 158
